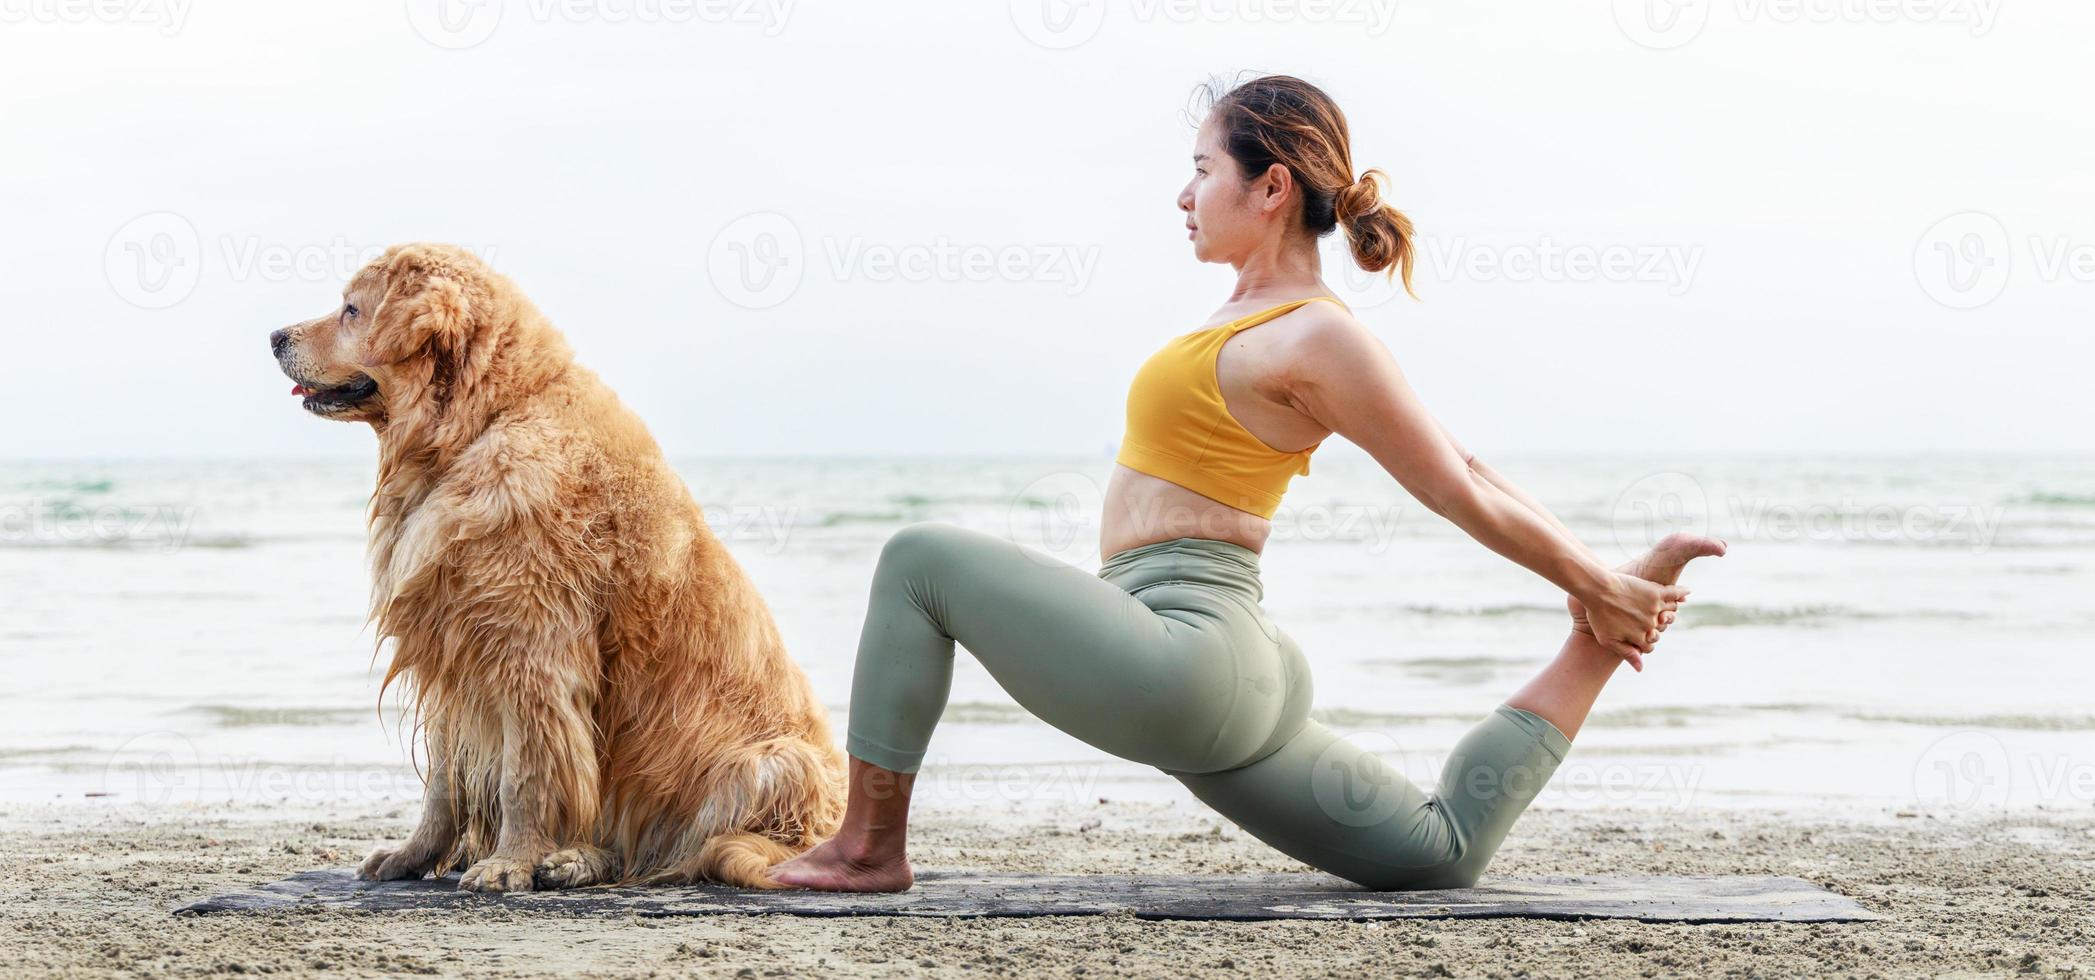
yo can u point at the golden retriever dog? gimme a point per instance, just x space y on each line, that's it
602 693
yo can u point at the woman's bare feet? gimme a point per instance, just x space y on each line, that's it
835 865
870 852
1661 565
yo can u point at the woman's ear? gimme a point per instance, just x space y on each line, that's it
1274 187
423 310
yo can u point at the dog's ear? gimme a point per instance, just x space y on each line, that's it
425 309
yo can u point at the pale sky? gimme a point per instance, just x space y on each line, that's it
1739 226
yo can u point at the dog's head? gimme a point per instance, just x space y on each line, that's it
397 335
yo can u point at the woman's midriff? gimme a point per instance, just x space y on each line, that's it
1142 509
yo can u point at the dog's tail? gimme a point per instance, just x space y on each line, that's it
740 859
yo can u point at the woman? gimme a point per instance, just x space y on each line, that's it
1164 657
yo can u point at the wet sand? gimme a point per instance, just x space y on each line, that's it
87 889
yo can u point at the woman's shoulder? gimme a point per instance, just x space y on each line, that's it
1326 322
1321 337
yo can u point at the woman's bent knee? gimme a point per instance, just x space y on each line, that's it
920 546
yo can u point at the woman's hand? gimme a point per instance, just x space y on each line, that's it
1627 615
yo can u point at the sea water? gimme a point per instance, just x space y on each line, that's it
1888 633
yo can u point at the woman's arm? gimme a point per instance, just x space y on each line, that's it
1341 375
1499 480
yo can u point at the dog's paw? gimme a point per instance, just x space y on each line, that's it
497 874
394 864
576 867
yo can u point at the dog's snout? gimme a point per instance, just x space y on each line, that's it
277 340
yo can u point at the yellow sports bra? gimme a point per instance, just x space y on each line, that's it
1180 430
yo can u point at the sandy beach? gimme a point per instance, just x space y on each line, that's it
88 890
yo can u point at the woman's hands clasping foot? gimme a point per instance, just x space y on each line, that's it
1644 597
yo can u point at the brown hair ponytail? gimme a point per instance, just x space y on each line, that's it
1280 119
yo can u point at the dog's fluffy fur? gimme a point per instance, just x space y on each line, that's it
603 694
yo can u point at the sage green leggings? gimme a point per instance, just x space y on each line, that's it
1165 658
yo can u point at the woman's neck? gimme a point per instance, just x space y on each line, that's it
1281 268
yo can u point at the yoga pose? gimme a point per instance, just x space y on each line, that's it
1165 656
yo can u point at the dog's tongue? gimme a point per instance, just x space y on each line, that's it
299 390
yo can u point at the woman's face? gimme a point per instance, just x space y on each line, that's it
1226 218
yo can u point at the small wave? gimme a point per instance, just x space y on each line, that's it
2044 499
1709 614
846 517
234 716
1352 719
2014 722
89 487
1486 612
144 542
1451 670
987 713
32 755
918 501
1681 715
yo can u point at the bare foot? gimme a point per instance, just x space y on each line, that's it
1662 565
832 867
